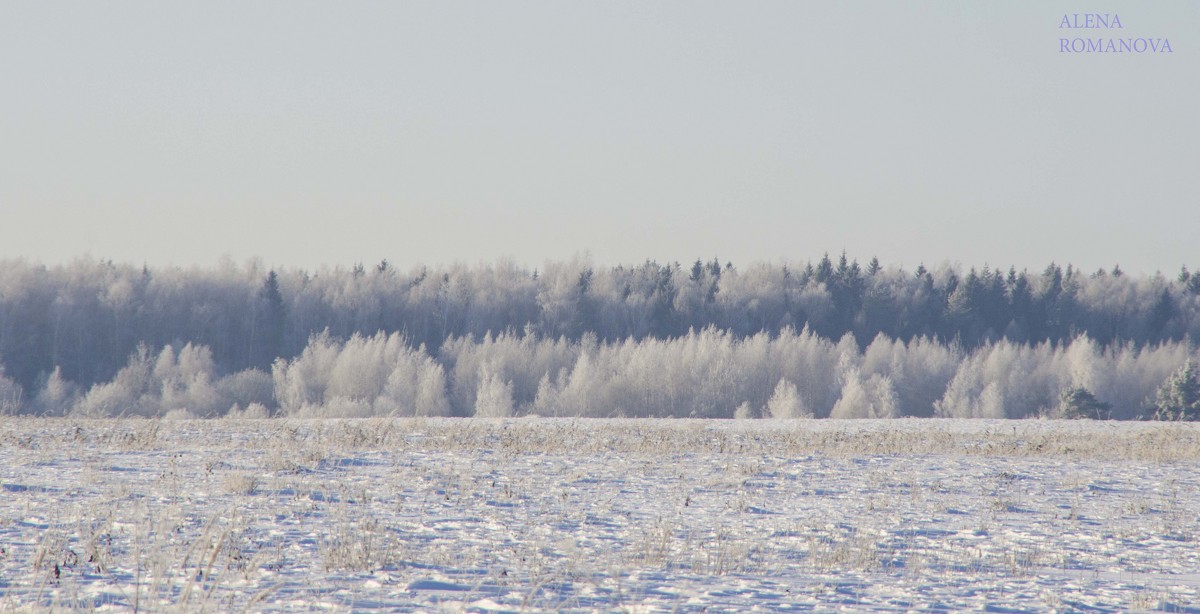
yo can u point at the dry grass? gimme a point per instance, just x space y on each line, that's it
219 515
1135 441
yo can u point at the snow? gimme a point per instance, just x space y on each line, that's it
637 515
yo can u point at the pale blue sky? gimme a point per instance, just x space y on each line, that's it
308 133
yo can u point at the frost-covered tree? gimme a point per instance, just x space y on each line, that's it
186 381
919 370
874 397
1134 375
57 395
494 397
522 360
785 403
1179 396
1084 364
744 411
661 339
133 392
1004 380
183 383
248 389
10 395
381 375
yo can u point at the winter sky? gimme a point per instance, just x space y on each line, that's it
309 133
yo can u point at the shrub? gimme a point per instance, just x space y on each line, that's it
1077 403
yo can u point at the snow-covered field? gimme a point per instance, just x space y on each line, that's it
638 515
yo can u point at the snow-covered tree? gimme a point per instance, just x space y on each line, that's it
744 411
57 395
1179 396
133 392
379 375
785 402
494 397
874 397
10 395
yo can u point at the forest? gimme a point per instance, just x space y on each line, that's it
830 338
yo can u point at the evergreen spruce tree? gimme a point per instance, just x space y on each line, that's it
824 270
873 267
267 326
1160 315
1178 398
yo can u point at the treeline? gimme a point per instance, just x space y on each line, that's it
76 327
88 317
706 374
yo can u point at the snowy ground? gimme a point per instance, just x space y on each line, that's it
645 515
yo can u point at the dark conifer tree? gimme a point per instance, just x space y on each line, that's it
824 270
267 325
1160 315
873 266
1022 307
